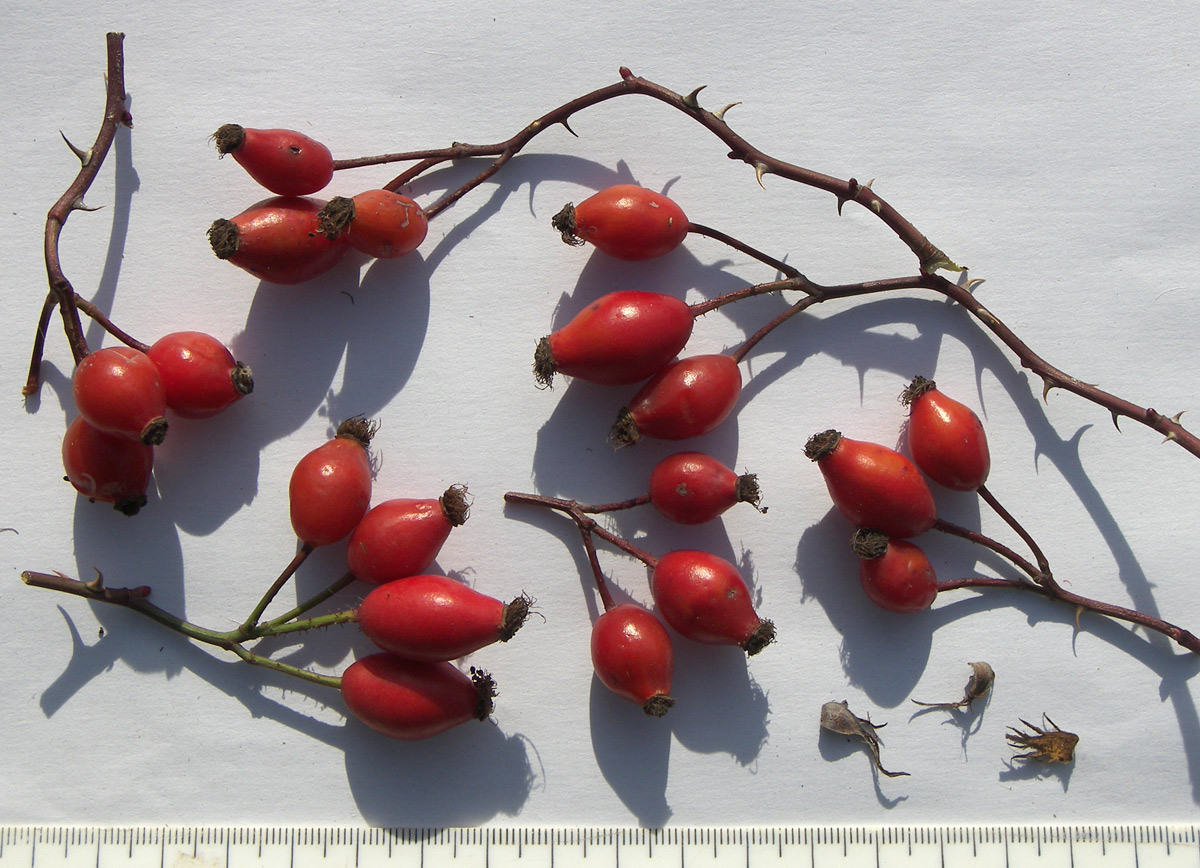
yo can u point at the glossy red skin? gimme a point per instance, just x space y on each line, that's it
197 373
286 162
901 580
408 699
687 398
948 442
430 618
632 654
630 222
106 467
329 491
397 538
704 598
119 390
876 487
279 241
692 488
622 338
386 225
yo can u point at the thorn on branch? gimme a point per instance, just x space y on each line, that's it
691 100
760 169
78 205
85 157
1046 387
1116 421
96 585
568 128
720 113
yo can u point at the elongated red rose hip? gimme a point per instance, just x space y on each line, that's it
625 221
286 162
632 656
705 598
620 339
330 488
412 699
687 398
278 240
945 437
402 537
435 618
118 390
873 486
200 377
107 467
379 223
692 488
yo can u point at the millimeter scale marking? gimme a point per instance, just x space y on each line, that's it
978 846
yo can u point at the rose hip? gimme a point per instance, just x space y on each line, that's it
692 488
402 537
413 699
435 618
119 390
873 486
705 599
330 488
895 574
379 223
620 339
277 240
200 377
687 398
945 437
107 467
632 656
625 221
286 162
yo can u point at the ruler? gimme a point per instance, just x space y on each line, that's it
553 847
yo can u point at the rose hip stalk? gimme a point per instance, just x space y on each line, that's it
435 618
402 537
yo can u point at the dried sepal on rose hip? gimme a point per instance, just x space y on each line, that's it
1049 745
978 686
838 718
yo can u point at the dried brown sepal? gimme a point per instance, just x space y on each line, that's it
837 717
748 491
624 431
763 635
658 705
360 429
228 138
544 366
456 504
243 378
978 686
485 689
868 543
918 387
1044 745
335 217
820 445
515 615
564 222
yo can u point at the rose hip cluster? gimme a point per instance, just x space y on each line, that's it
123 395
292 237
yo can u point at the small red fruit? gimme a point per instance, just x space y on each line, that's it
945 437
632 656
687 398
435 618
621 338
379 223
118 389
330 488
277 240
286 162
895 573
625 221
412 699
705 599
107 467
692 488
873 486
402 537
200 377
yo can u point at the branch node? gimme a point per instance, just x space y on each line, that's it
691 100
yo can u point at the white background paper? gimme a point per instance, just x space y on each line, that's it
1053 148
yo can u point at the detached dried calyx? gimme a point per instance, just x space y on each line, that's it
978 686
837 717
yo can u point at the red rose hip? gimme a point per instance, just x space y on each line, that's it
692 488
330 487
402 537
895 574
705 599
286 162
687 398
119 390
107 467
278 240
625 221
946 438
632 656
200 377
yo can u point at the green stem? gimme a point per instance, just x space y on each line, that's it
252 621
311 602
